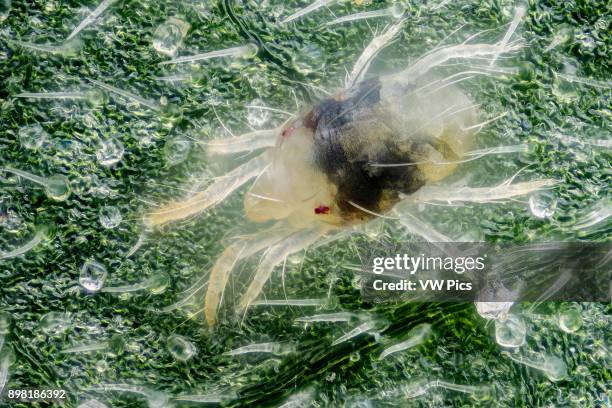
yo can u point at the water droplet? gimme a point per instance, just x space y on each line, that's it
57 188
110 152
180 348
510 332
554 368
158 399
177 151
159 283
101 366
92 403
5 9
168 36
493 310
95 97
32 136
308 59
295 259
570 320
543 205
583 371
250 50
55 322
398 9
110 217
257 115
5 323
93 275
355 356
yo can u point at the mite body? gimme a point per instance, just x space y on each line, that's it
350 157
363 153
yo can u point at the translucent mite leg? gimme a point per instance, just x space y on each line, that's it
306 10
503 191
243 143
519 13
363 62
420 228
462 51
214 194
276 254
220 272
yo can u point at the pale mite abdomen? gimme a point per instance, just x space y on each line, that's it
332 165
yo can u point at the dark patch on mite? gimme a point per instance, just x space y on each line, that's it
344 151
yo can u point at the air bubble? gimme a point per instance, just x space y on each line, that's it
57 188
257 114
180 348
101 366
397 10
93 275
110 217
177 151
32 136
543 204
55 322
95 97
158 283
510 332
295 259
168 37
570 320
110 152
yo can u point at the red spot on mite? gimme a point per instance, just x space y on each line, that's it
288 131
322 209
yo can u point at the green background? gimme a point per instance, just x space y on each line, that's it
292 67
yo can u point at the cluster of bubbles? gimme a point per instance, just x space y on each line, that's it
511 333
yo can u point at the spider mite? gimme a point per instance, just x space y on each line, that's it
360 154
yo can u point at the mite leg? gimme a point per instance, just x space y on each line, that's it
241 249
255 140
274 256
415 226
463 51
214 194
519 13
363 62
503 191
